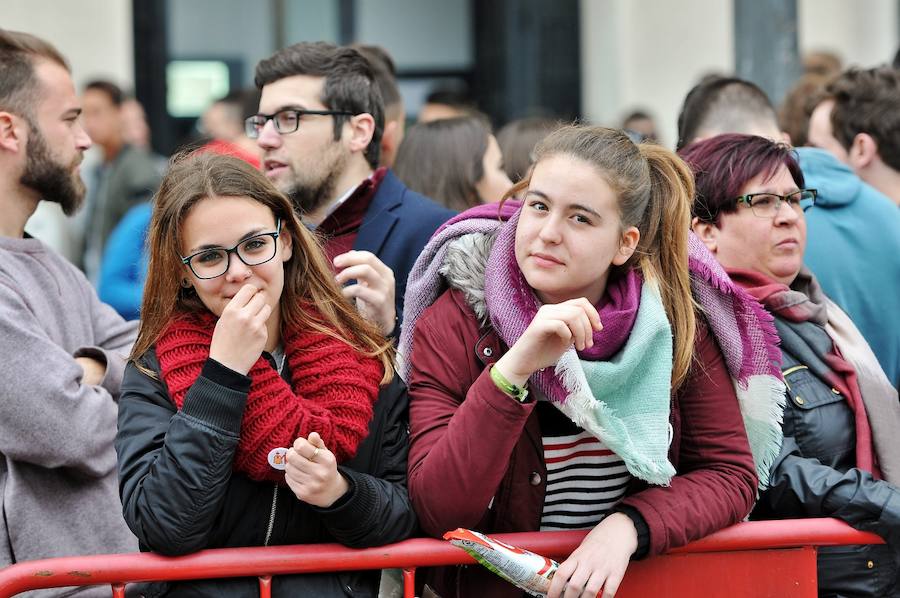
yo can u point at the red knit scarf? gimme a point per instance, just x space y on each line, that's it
333 389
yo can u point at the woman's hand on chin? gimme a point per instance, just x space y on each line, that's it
553 330
312 474
599 562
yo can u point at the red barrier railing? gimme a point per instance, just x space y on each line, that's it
755 552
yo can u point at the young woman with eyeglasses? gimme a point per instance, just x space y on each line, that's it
841 451
248 414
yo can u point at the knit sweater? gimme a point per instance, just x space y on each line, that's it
58 487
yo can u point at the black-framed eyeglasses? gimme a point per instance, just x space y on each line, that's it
766 205
286 121
253 251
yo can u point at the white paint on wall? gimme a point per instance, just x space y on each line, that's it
96 36
862 32
648 53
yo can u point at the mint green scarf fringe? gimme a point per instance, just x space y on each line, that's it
625 401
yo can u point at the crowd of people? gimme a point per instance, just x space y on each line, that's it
317 325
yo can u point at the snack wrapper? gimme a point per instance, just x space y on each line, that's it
524 569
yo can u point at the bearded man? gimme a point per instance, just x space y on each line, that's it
320 123
63 350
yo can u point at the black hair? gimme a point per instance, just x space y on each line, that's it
112 91
450 97
725 104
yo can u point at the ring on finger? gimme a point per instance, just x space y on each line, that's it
315 453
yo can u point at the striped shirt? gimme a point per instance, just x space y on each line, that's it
584 478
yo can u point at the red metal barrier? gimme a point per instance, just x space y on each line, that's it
763 558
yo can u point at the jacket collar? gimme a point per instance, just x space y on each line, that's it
464 268
380 218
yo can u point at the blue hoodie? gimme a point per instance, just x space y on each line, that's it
123 270
853 248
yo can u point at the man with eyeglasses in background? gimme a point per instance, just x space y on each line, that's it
320 122
63 350
853 238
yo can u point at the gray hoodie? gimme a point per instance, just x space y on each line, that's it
58 487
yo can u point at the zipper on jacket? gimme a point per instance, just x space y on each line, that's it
272 515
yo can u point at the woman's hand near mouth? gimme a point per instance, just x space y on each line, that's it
241 334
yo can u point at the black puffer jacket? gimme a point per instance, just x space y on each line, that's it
816 476
180 495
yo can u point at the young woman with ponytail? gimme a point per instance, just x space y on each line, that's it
562 376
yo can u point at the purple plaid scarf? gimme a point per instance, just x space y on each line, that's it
742 328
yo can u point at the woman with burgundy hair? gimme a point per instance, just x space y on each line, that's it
841 451
248 415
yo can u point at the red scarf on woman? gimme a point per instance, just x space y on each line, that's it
804 301
333 389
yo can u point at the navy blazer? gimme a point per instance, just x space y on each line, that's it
396 227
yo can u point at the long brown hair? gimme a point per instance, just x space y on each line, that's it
311 298
655 189
443 160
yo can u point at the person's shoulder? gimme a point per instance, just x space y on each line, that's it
143 385
143 371
426 206
55 265
420 216
137 218
706 347
136 162
69 269
880 207
865 205
23 284
415 201
148 361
